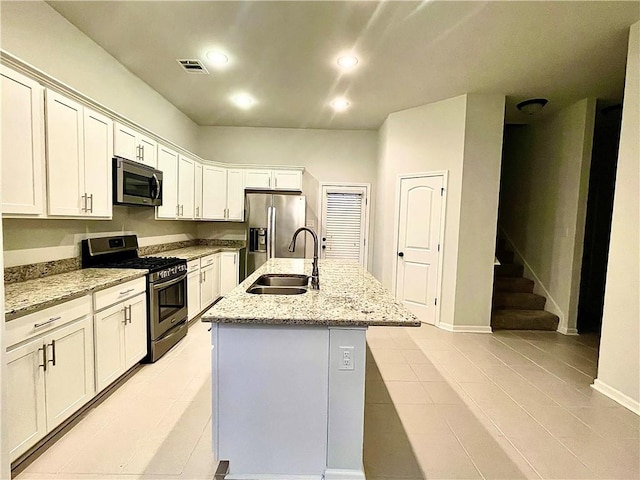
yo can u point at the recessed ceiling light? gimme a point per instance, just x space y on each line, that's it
347 61
340 104
243 100
217 58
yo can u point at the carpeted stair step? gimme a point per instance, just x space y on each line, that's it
518 301
508 270
523 320
504 256
512 284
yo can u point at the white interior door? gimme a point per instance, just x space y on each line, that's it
344 223
418 245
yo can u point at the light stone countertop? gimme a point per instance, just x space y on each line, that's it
195 252
23 298
348 296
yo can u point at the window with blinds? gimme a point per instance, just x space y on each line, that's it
344 225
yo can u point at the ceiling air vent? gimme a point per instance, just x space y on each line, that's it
192 66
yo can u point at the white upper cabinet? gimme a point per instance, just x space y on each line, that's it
222 193
131 144
186 190
197 191
22 146
168 164
79 151
267 179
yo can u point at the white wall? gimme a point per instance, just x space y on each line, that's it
619 361
327 155
39 35
462 135
543 202
479 209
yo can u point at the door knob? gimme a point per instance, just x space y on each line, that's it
401 254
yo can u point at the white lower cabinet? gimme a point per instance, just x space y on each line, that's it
210 280
50 375
228 272
120 338
193 288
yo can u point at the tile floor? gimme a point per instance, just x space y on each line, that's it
439 405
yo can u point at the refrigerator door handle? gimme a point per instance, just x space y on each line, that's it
270 231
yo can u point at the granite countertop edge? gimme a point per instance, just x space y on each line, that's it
312 322
67 294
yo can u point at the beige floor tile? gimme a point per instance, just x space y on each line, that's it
381 418
389 455
609 422
376 392
550 458
378 343
426 372
443 393
422 420
468 420
558 421
397 372
442 456
619 460
408 393
415 357
387 356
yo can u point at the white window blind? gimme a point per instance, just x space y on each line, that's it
344 225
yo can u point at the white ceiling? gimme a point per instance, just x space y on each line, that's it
411 53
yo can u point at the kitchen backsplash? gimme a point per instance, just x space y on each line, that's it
22 273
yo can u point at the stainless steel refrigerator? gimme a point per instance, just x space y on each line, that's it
271 221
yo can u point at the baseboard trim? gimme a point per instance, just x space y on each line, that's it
269 476
343 474
567 331
465 328
616 395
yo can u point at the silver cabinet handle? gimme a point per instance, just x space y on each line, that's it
138 156
90 197
84 202
177 210
129 314
142 153
197 212
124 310
127 291
51 320
276 180
53 353
181 210
44 356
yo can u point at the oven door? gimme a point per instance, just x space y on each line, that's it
136 184
167 305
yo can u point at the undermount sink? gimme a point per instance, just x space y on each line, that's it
282 280
258 290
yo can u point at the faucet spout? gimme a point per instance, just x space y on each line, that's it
315 274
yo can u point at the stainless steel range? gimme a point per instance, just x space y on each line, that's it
166 287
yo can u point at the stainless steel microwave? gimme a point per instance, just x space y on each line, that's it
136 184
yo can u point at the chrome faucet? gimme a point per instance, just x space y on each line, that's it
315 275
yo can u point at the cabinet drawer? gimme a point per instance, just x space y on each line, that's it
193 265
29 326
118 293
208 260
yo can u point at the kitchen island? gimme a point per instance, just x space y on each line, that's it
288 372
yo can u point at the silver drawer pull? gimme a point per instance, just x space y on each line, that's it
127 291
51 320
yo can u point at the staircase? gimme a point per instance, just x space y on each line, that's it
515 306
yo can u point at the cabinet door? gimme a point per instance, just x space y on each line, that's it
197 189
98 152
135 331
109 345
209 285
65 156
25 397
287 180
193 293
22 133
257 178
125 142
69 381
214 192
235 195
168 164
186 179
228 272
148 151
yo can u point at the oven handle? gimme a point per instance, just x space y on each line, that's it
158 286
